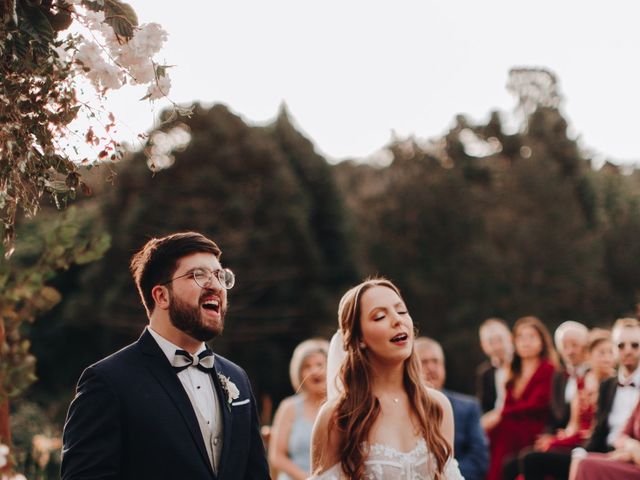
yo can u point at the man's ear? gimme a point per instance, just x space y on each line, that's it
160 295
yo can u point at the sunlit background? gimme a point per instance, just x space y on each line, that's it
352 73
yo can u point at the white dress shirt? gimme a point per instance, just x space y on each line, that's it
501 380
200 389
571 387
624 402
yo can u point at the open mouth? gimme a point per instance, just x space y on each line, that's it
401 337
211 305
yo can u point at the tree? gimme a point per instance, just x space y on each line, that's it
42 73
48 246
270 202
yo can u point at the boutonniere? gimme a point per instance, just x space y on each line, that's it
229 388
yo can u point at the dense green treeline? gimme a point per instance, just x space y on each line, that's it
481 222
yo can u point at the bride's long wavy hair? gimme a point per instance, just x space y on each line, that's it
357 407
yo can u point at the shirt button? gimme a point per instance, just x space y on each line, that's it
215 441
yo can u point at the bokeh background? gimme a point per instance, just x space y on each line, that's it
507 212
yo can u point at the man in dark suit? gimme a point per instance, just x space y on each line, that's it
497 344
470 448
166 407
571 339
617 398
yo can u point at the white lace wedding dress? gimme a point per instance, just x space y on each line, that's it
386 463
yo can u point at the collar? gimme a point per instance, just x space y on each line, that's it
169 348
634 377
578 371
495 363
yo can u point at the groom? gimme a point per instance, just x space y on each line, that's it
166 407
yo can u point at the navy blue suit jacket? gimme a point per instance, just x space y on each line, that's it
132 419
470 443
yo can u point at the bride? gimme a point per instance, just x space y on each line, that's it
382 422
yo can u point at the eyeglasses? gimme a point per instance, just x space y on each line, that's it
204 278
634 345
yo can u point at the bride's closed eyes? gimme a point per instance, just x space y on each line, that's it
380 315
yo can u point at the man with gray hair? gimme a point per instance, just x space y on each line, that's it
571 340
497 344
471 448
617 397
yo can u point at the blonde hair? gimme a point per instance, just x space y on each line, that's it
597 336
626 322
301 352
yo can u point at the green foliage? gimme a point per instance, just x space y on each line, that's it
48 246
270 202
38 102
528 228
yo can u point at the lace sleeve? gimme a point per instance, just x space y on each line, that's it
452 470
333 473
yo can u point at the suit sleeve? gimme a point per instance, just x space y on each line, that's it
482 388
475 460
598 440
257 466
92 432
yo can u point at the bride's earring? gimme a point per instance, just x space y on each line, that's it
362 346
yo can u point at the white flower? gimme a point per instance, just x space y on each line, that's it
143 72
93 19
4 454
148 40
229 387
101 73
160 88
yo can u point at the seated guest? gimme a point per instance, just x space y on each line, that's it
617 398
290 443
622 463
526 407
571 340
470 444
583 406
497 344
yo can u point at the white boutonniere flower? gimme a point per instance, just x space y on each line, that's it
229 388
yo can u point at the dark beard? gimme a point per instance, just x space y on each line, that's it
189 320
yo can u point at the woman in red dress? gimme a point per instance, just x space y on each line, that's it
528 394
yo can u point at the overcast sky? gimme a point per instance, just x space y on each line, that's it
351 72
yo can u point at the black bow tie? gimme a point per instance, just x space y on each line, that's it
203 361
630 384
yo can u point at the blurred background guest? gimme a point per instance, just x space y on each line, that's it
617 398
601 362
622 463
526 407
571 339
470 444
290 442
497 344
548 448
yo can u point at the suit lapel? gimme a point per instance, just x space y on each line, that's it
227 417
613 387
163 372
